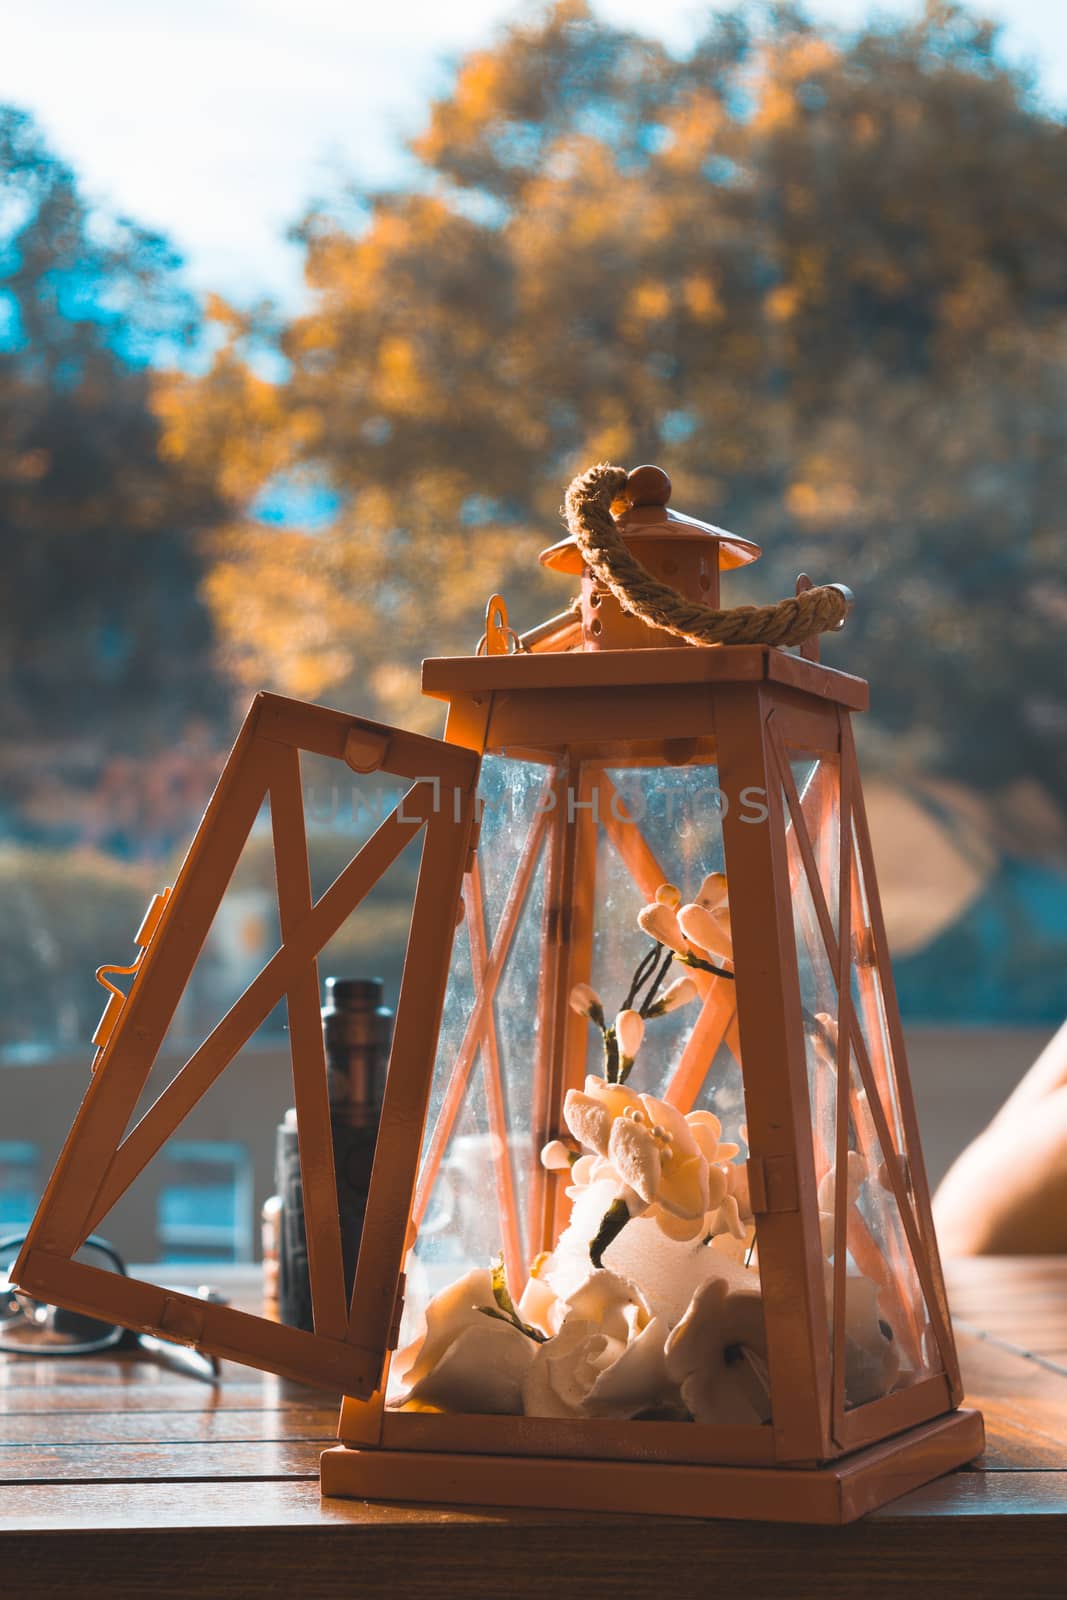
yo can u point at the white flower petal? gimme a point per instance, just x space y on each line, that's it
678 993
565 1369
728 1218
634 1156
637 1380
668 1117
661 924
717 1187
730 1396
706 1134
538 1305
582 1170
703 929
712 893
482 1371
683 1188
447 1314
604 1299
629 1031
585 1000
588 1119
717 1318
555 1156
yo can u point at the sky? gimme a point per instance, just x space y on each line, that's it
216 121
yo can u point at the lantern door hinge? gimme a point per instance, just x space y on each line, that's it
772 1183
472 843
398 1311
182 1319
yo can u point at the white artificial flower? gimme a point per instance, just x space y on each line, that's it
629 1032
648 1142
678 993
872 1357
660 923
466 1361
605 1359
717 1355
556 1156
587 1002
706 931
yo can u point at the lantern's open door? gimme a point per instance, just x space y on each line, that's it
104 1154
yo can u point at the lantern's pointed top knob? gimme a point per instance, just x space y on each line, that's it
645 486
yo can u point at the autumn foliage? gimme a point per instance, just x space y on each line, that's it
819 277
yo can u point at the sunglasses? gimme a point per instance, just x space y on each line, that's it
30 1327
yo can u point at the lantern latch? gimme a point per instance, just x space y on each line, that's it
772 1183
116 997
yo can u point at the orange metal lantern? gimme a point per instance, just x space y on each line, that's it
718 1290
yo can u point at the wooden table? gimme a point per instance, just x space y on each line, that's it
121 1477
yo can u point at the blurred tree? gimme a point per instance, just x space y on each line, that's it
818 276
102 631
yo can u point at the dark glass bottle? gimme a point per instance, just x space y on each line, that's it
356 1029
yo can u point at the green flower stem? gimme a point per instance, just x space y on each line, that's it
613 1222
657 979
505 1309
690 960
645 967
611 1056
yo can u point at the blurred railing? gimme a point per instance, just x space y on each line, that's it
200 1198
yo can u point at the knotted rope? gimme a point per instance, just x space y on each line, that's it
589 520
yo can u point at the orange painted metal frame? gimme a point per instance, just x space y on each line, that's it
98 1163
834 1494
750 723
931 1396
748 705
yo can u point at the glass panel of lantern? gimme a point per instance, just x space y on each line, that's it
887 1339
592 967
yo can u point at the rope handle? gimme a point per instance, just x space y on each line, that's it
589 520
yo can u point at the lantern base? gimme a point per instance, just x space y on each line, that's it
838 1492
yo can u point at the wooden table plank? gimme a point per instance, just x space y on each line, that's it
123 1397
524 1557
26 1429
1024 1404
186 1463
214 1490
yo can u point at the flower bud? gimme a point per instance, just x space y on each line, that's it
629 1031
586 1002
704 930
712 892
668 894
661 924
678 993
556 1156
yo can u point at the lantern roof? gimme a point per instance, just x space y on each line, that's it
643 513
